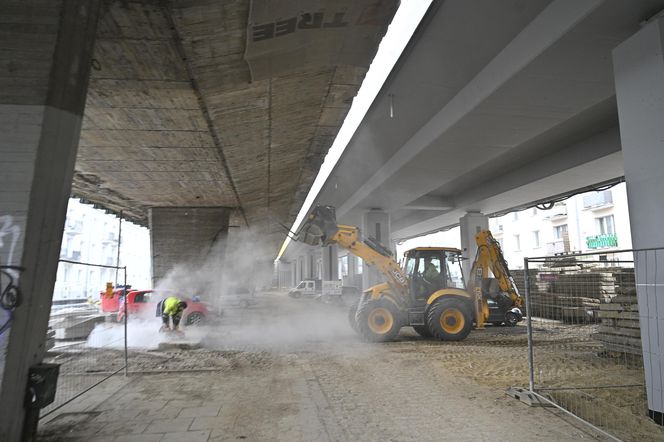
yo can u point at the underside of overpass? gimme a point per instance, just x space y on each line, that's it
492 106
175 117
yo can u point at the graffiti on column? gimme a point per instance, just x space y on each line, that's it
9 235
9 292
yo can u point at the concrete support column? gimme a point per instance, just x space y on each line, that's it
46 57
330 263
376 225
470 225
309 263
184 235
299 268
639 72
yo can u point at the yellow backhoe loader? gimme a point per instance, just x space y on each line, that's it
429 293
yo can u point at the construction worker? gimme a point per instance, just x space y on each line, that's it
431 272
172 307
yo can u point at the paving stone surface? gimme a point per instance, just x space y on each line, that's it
313 390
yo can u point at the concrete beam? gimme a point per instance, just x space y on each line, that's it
545 30
565 170
427 202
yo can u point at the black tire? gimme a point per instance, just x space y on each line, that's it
352 310
194 318
378 320
422 330
449 319
511 319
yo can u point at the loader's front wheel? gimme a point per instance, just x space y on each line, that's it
378 320
352 315
450 319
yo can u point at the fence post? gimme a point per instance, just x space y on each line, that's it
529 327
124 291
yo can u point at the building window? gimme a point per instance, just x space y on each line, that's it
605 225
559 232
360 265
536 239
517 242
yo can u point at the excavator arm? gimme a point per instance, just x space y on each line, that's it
321 229
490 258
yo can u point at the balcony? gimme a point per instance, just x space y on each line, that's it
74 227
602 241
598 200
71 255
558 247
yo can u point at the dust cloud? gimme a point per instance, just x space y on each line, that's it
233 281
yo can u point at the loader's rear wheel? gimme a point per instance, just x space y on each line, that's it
378 320
422 330
352 313
450 319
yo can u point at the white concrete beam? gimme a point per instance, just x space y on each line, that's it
547 28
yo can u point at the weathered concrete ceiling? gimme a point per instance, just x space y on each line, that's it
173 118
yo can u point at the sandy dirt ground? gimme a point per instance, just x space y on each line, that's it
294 370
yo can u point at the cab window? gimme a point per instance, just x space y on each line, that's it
453 271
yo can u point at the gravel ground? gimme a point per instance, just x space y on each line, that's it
294 370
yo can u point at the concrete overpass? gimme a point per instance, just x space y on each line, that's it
192 116
501 105
484 122
190 121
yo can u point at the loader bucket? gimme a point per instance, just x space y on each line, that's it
319 226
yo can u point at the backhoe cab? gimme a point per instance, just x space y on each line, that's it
429 293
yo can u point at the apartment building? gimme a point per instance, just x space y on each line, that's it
91 236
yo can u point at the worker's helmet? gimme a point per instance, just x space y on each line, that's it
182 305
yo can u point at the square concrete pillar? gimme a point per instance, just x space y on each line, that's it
375 224
330 263
46 57
184 235
470 225
639 77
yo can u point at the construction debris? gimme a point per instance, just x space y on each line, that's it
619 330
604 295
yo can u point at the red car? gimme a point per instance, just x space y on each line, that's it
143 303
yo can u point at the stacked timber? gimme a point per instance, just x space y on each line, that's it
619 329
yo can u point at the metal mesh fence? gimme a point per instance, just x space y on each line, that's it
84 336
585 338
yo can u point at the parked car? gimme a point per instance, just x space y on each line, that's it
237 296
143 303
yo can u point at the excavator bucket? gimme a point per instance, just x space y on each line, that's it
319 226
